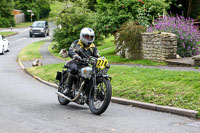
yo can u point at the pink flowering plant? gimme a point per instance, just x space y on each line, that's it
188 35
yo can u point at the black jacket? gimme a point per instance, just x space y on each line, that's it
77 45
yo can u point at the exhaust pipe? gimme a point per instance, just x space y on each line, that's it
62 95
72 100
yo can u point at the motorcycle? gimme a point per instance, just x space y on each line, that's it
91 86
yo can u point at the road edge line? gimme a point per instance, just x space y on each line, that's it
150 106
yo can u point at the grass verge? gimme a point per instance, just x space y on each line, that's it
55 52
31 51
7 33
162 87
24 24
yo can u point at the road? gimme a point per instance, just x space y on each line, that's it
28 106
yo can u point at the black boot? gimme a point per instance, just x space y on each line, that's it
70 80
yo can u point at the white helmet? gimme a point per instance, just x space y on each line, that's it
87 36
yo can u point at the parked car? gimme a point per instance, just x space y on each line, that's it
39 28
4 45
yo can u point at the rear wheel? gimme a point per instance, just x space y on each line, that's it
61 88
99 100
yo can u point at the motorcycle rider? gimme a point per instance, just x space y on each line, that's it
77 51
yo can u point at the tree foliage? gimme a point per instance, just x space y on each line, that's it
6 18
72 20
111 15
40 8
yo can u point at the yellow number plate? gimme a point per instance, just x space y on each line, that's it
101 63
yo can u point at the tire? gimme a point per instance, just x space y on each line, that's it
62 100
30 35
44 35
3 51
104 95
48 34
8 50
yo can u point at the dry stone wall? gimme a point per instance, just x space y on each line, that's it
155 47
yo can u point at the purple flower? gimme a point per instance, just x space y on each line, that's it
188 34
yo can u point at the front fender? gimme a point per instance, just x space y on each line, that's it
105 76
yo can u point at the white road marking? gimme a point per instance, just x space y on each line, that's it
20 39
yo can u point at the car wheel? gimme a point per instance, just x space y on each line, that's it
8 49
48 34
44 35
3 50
30 35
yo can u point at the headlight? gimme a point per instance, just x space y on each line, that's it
42 30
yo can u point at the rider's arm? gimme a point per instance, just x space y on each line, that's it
96 53
72 49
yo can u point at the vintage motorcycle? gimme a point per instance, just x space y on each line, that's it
92 85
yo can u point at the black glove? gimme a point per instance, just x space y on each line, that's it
77 57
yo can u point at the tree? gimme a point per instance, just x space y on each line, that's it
72 20
40 8
6 18
110 16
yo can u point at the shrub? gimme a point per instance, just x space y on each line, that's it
188 35
7 22
129 36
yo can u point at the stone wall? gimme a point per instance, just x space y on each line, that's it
155 47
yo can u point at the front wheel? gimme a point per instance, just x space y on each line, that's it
100 99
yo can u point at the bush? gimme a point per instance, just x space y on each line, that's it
129 36
6 18
72 20
188 35
7 22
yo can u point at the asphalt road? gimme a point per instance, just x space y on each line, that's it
28 106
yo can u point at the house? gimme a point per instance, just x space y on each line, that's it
19 16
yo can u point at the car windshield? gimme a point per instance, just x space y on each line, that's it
38 25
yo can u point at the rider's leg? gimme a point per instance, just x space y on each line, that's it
71 77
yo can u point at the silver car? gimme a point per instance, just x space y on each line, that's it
4 45
39 28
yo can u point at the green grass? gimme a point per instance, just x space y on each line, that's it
31 51
7 33
55 52
108 50
47 72
24 24
162 87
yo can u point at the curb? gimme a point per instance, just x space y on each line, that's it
150 106
167 109
13 34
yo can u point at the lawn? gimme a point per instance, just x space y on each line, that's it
31 51
7 33
162 87
24 24
151 85
55 52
